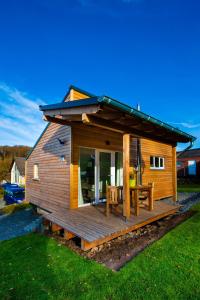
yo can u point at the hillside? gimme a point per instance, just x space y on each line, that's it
7 153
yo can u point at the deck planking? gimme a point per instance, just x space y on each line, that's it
91 224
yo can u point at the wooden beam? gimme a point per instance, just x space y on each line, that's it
126 168
68 235
98 122
90 109
55 227
74 118
60 121
174 174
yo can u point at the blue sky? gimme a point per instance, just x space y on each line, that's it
145 51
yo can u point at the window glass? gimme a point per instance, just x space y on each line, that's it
151 161
157 162
36 171
87 176
118 168
161 162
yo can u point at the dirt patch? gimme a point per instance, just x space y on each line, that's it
114 254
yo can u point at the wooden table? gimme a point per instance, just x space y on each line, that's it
135 191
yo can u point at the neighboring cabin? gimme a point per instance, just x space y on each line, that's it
18 170
188 163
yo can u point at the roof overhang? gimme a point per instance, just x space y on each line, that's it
113 115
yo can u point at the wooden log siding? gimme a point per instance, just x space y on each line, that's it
75 95
163 179
51 191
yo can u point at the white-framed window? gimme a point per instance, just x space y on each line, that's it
36 171
157 163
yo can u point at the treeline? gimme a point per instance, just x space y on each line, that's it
7 153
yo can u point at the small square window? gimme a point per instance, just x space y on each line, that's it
156 162
36 171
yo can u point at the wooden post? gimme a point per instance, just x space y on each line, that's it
136 202
126 185
68 235
174 174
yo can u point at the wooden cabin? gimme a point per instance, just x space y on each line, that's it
92 142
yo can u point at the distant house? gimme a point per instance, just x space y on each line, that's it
188 163
18 170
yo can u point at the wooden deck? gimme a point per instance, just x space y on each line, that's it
94 228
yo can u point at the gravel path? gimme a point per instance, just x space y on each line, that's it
187 200
18 224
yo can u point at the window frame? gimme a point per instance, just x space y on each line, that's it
160 158
34 173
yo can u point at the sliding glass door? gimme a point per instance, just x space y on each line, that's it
86 176
97 169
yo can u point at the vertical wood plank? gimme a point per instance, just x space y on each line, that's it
126 166
174 174
136 202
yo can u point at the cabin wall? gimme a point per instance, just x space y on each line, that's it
163 179
75 95
51 191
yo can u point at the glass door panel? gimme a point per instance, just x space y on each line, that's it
104 173
118 169
86 176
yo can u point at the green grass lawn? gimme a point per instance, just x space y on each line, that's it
37 267
189 188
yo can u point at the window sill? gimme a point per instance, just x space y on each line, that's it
36 179
159 169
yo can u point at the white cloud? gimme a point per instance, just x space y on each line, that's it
21 121
186 124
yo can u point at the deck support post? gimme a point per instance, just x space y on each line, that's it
68 235
126 167
174 174
55 227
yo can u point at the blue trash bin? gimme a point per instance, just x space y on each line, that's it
13 194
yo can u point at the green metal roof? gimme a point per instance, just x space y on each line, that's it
93 100
119 106
143 116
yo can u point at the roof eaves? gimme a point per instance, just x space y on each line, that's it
135 112
70 104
